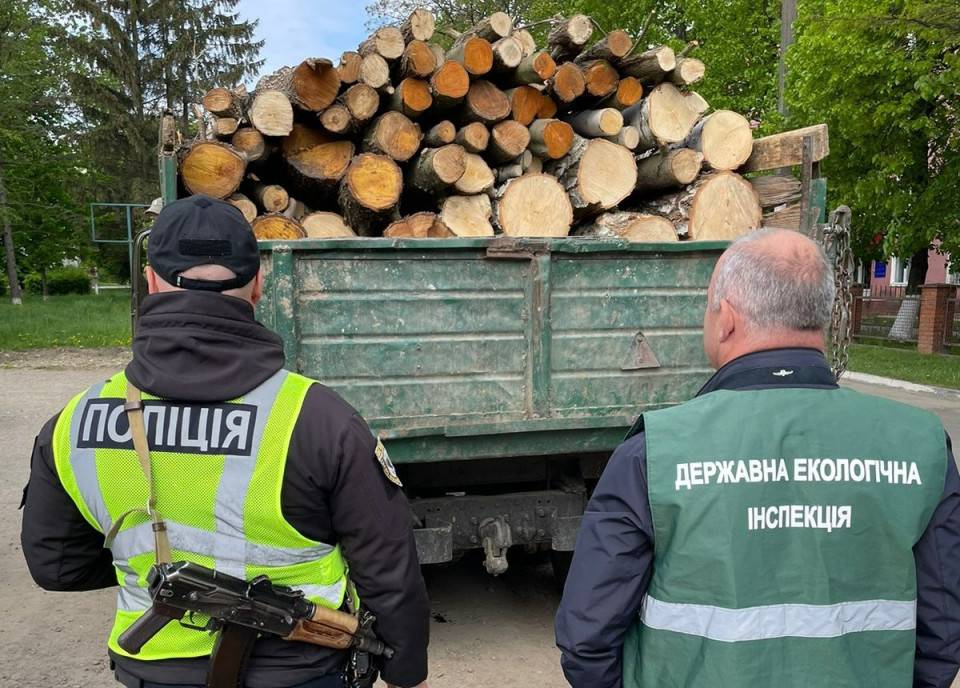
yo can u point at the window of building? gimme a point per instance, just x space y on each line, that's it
899 272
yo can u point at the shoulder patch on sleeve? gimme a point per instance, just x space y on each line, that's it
386 464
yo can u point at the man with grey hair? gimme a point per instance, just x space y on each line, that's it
776 530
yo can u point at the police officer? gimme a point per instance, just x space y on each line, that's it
777 530
256 471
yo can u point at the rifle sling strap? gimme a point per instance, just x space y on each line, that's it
138 431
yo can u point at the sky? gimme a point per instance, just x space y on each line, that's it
293 30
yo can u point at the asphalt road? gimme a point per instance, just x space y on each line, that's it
486 632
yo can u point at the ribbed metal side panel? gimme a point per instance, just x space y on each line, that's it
415 338
601 308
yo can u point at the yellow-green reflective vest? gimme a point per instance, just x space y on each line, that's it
218 470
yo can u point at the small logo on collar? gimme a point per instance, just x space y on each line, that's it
783 373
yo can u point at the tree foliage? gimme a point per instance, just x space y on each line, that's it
42 172
885 78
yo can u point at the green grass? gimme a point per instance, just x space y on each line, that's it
77 321
939 369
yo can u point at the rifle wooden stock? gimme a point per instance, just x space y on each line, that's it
327 628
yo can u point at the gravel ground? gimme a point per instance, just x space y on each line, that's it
486 632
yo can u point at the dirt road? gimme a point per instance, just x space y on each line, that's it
486 632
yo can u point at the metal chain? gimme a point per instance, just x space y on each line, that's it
836 241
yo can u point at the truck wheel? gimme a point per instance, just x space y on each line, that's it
560 562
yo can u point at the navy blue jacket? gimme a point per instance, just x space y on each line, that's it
613 560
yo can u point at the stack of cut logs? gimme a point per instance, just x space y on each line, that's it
493 136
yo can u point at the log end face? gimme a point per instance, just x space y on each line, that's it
534 205
451 80
276 226
212 169
316 84
374 181
724 208
607 173
726 140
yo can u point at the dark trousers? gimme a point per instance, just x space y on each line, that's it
131 681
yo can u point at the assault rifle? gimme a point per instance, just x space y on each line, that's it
241 611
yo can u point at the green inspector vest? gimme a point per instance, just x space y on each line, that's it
218 470
784 522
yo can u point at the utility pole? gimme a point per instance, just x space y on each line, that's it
8 246
788 15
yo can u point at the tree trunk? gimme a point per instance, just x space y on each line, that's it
635 227
596 123
437 168
786 149
650 67
485 103
417 61
507 54
628 137
474 53
315 171
223 102
387 42
273 198
724 138
550 139
276 226
688 71
600 78
440 134
536 68
567 84
271 113
247 207
393 134
668 170
498 25
419 26
324 225
719 206
629 92
312 85
449 84
369 193
597 174
665 116
467 216
508 139
424 225
212 168
533 205
251 143
474 137
9 252
917 275
568 39
349 67
613 47
477 176
412 97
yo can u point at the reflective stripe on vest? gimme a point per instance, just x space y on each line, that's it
784 524
225 515
779 620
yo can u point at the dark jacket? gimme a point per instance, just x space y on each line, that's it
612 564
203 347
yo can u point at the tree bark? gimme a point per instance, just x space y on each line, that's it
650 67
613 47
437 168
596 123
16 297
568 38
668 170
370 192
632 226
551 139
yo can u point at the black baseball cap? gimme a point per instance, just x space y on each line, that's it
200 230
